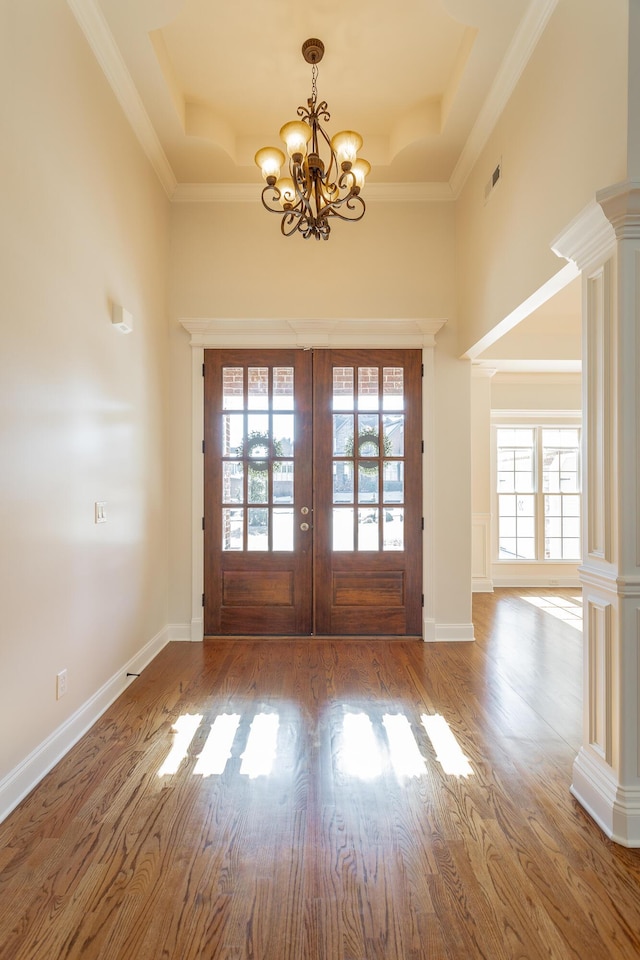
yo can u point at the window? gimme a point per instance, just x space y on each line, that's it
538 490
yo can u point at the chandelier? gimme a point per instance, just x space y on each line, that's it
315 191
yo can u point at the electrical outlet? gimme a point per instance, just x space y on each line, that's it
61 684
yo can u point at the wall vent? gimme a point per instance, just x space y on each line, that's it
494 180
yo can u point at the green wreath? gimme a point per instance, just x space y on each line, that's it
368 436
258 439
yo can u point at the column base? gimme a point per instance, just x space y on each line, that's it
616 809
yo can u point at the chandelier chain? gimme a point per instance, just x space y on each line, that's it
314 86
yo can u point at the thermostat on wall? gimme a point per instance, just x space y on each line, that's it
121 319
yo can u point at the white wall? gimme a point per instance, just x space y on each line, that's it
82 408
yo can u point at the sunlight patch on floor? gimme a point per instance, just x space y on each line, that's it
184 731
360 756
260 753
217 748
567 609
366 747
448 752
406 759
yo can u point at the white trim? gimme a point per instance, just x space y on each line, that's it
23 778
614 808
93 24
179 632
454 633
573 417
260 333
517 57
531 366
588 240
557 282
547 581
481 581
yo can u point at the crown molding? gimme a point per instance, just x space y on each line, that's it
518 55
250 192
521 368
588 240
92 22
225 333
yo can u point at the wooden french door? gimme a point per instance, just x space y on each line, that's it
313 493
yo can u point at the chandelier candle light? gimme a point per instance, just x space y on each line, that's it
314 192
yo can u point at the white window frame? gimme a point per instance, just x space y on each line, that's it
554 419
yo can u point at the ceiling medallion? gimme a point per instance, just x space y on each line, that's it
315 191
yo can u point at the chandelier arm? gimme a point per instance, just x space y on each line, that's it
274 198
352 203
290 222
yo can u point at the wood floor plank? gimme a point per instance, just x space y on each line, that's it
329 851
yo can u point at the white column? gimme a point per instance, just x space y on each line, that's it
605 244
481 493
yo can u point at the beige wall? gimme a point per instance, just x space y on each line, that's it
561 137
229 261
82 407
536 391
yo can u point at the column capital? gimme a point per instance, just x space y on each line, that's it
621 206
588 240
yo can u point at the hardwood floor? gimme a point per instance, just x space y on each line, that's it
334 853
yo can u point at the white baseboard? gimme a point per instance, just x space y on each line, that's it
179 631
542 582
23 778
434 632
481 585
615 808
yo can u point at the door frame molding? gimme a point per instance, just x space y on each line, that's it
226 334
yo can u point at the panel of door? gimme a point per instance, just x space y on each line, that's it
368 490
313 494
258 493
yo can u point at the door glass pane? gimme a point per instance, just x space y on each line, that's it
342 528
343 434
368 436
342 481
368 528
283 528
283 388
283 481
393 433
392 388
232 524
258 383
367 388
393 481
232 388
368 483
283 424
393 529
343 388
257 445
232 474
257 529
232 434
257 485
